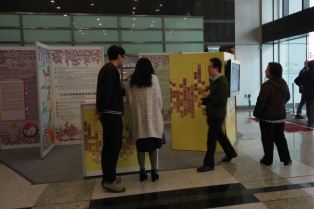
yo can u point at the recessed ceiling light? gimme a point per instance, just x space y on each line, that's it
58 8
92 4
157 10
134 8
52 1
133 13
136 0
65 15
98 19
160 5
100 23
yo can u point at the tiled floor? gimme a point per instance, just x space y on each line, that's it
241 184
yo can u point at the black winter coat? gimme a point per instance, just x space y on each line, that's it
272 99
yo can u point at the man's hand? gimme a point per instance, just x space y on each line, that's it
255 119
97 115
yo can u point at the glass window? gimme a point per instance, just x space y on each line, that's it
141 22
184 22
184 36
46 21
96 35
311 3
9 21
140 36
142 48
47 35
310 46
295 6
267 8
292 57
10 35
95 21
184 47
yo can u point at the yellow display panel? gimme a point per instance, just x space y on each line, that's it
189 79
92 146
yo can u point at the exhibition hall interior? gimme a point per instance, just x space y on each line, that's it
92 92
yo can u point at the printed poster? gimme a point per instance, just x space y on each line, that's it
75 72
92 146
45 91
189 79
18 83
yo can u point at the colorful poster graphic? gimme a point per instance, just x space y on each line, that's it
45 90
161 66
189 80
12 100
92 135
18 71
75 71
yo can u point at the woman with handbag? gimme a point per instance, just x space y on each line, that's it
145 102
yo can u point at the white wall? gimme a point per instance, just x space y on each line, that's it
247 40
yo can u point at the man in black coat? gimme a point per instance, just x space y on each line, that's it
109 105
302 102
307 81
216 109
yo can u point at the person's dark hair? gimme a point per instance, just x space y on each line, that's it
114 51
310 64
216 63
142 76
275 69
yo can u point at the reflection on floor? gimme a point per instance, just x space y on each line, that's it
241 184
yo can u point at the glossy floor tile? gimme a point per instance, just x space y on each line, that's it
278 195
265 183
15 191
245 206
66 192
73 205
201 198
296 203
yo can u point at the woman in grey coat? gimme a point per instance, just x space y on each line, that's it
145 101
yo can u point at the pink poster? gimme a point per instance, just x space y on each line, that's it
19 122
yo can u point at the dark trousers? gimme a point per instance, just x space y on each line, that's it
273 133
310 110
215 133
112 142
302 103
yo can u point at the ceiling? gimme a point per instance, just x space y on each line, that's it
138 7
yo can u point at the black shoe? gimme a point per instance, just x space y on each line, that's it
143 175
155 175
287 163
264 162
205 169
299 117
229 158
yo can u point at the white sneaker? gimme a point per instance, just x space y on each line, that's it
113 187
